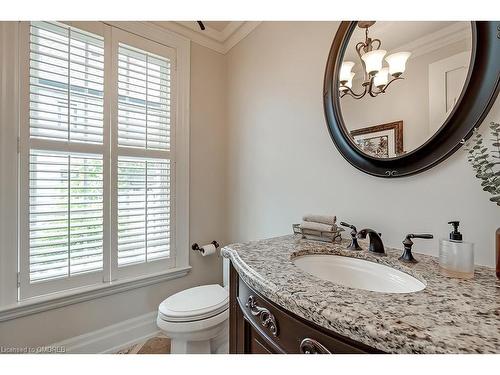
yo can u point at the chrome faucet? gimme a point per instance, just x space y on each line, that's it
376 245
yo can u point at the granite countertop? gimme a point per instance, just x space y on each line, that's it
448 316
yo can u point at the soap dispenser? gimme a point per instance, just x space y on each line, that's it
456 257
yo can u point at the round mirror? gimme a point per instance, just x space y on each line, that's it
399 81
400 96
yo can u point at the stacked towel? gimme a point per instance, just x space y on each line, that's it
321 223
324 219
316 226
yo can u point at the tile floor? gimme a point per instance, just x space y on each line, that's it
155 345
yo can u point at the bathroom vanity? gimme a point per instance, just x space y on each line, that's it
277 307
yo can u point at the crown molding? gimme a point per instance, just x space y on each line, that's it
239 34
434 41
219 41
430 42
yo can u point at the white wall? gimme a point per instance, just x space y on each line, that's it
282 162
207 222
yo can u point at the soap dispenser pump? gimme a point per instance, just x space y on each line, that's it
456 257
455 235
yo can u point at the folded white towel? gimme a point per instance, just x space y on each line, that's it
324 219
316 226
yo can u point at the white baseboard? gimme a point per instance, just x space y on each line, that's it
112 338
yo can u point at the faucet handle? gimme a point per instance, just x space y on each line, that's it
354 239
426 235
407 256
347 225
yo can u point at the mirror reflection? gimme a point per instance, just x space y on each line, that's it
399 81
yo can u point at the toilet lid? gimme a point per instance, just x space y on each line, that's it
196 303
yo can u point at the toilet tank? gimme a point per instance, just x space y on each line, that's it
225 272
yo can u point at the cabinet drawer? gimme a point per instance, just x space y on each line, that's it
287 331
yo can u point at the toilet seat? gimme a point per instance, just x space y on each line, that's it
198 303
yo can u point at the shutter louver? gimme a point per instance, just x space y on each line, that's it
143 99
66 84
143 210
66 214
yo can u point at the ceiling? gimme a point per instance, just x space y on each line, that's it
216 25
417 37
220 36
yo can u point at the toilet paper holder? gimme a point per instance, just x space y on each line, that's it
196 247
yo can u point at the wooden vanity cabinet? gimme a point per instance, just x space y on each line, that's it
257 325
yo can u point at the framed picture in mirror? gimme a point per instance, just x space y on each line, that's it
381 141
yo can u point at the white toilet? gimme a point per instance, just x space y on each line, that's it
197 319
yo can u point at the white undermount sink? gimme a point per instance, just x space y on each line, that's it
358 273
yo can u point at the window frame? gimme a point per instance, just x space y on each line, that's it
12 304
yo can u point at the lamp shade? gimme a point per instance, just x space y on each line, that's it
373 60
347 84
345 71
397 62
349 81
381 78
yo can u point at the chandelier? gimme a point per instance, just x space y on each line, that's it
376 76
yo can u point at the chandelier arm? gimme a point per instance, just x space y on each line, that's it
379 43
376 93
352 93
391 81
359 46
370 89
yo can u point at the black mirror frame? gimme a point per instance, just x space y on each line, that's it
480 91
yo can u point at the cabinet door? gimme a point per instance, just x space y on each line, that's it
254 342
244 338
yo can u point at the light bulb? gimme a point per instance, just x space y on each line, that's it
381 78
397 63
373 60
345 71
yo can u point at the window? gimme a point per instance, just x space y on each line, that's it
97 157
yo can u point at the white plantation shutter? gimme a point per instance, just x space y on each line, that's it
143 210
64 181
144 155
143 99
97 157
66 214
66 83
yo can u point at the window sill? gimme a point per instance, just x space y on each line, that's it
70 297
